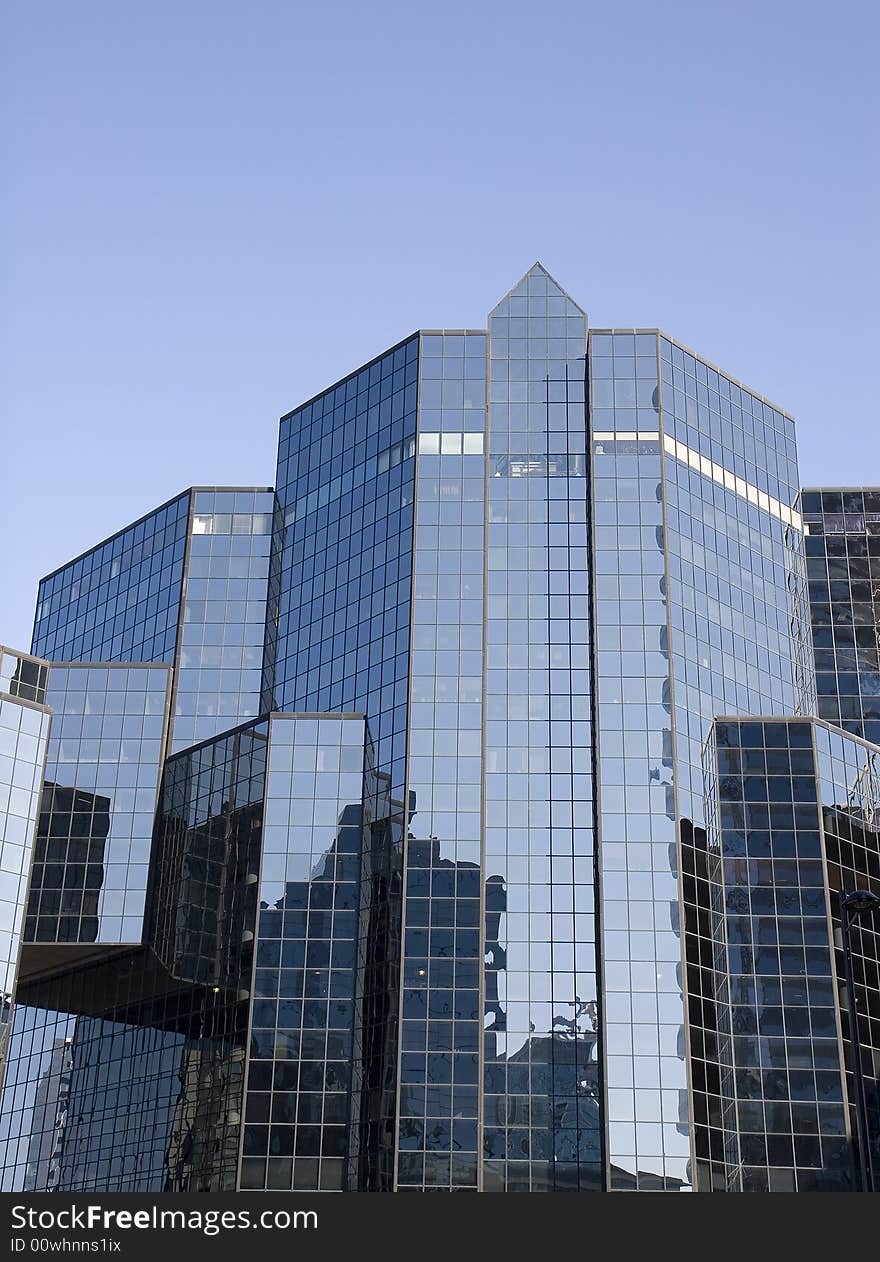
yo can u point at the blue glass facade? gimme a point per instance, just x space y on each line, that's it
120 602
195 584
345 480
381 845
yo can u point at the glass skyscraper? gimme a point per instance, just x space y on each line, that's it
471 810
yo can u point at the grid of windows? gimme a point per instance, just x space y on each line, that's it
92 853
782 1100
714 415
843 573
345 484
729 615
300 1106
219 679
119 1079
119 602
623 381
438 1133
542 1117
34 1098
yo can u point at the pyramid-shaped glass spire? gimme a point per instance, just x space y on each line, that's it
537 293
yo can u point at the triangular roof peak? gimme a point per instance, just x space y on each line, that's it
537 281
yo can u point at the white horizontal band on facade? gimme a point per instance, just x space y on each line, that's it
739 486
626 436
458 444
450 444
709 469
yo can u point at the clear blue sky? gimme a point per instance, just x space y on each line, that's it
215 208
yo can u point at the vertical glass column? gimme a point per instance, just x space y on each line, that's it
24 734
542 1112
440 1033
643 1013
219 677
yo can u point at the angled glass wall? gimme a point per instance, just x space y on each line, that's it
692 522
106 750
733 546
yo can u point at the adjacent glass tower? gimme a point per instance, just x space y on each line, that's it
389 837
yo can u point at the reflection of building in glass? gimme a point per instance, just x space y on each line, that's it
68 870
542 1121
153 1079
103 768
375 849
157 1033
316 1107
50 1115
